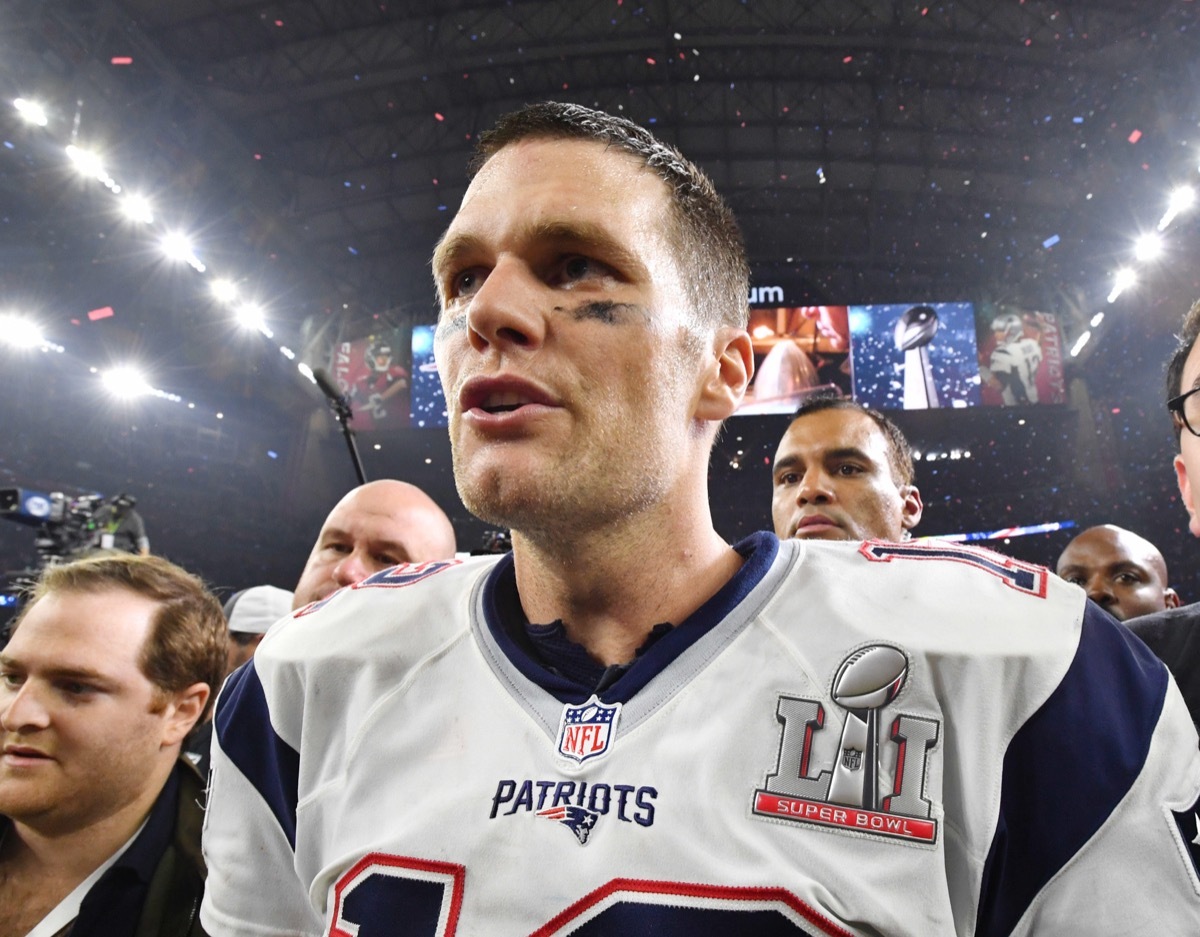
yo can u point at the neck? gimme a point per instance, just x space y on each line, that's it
611 587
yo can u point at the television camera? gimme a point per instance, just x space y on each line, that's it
66 526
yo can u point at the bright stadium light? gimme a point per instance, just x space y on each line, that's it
178 246
249 316
1181 199
306 371
1123 279
224 291
1148 247
89 164
137 208
31 111
125 382
20 331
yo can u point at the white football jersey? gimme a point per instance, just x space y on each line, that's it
1016 364
903 739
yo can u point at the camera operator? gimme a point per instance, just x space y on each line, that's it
119 527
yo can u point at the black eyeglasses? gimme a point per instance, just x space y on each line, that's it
1185 411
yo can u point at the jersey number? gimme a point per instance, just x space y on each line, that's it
370 899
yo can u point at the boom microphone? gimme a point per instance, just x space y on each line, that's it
340 403
328 388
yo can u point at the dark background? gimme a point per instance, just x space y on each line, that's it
874 151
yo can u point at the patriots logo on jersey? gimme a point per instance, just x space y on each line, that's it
587 731
846 795
578 820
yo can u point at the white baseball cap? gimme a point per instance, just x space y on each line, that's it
254 610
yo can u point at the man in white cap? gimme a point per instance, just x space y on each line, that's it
250 613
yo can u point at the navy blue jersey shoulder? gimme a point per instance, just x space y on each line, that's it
1069 766
503 616
243 727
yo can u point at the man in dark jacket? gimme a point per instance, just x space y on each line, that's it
111 664
1174 635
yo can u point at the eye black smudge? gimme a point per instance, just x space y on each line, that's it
604 311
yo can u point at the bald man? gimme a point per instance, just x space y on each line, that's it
1121 572
374 526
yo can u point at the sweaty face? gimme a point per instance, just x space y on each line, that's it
79 739
833 481
1121 573
1187 463
563 343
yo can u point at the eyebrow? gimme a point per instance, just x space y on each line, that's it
585 235
59 673
846 452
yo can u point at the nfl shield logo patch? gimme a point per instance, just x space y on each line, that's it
587 731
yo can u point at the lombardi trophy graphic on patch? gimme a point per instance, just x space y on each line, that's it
914 331
867 680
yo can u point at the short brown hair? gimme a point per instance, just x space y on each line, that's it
707 241
187 639
1188 333
900 456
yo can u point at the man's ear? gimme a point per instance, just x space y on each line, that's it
912 508
727 375
1185 493
183 712
1171 598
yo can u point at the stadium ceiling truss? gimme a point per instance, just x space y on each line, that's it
875 149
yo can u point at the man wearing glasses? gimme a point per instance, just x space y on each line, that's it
1174 635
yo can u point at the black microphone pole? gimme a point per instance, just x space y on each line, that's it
339 403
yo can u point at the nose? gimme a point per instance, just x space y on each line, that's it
21 709
1099 591
351 569
814 488
507 309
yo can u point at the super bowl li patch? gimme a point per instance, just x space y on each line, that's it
845 791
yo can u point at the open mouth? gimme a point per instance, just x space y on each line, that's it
503 402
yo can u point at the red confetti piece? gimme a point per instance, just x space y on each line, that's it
438 116
848 59
650 61
1135 136
122 60
102 313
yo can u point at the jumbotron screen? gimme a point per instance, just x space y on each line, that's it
893 356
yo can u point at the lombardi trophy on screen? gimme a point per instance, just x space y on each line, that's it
914 331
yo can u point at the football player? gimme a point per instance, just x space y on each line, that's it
1015 361
630 726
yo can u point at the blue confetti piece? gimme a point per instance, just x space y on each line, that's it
1051 241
